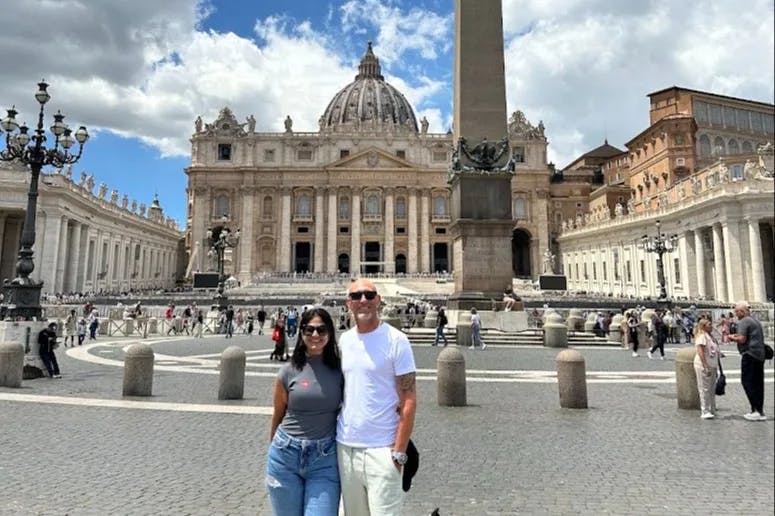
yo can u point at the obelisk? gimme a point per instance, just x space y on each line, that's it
481 169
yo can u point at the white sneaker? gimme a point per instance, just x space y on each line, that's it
470 347
662 357
484 346
649 355
755 416
635 354
707 415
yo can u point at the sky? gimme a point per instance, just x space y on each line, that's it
138 73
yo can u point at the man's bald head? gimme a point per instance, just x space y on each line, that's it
361 284
742 309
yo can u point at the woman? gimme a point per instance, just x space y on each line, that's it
278 336
302 474
70 327
724 327
632 333
706 367
476 330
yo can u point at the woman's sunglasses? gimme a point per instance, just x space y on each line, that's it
309 330
368 294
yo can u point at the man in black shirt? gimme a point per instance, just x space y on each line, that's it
47 339
230 322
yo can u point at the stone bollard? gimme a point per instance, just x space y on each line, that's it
129 327
686 379
555 332
231 381
463 334
430 318
615 330
138 370
575 321
571 379
11 364
451 378
153 326
589 324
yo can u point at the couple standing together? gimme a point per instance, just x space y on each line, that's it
341 423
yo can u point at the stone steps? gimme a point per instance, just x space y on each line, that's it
426 336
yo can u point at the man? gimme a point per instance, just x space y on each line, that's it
47 339
750 343
229 321
377 415
441 322
261 317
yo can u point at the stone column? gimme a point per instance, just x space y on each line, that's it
333 217
245 274
2 236
718 258
425 229
390 232
355 244
733 263
319 250
683 258
758 282
284 249
411 233
48 260
699 261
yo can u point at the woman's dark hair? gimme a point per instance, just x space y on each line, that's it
330 352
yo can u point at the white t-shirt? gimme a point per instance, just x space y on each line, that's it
476 320
370 363
711 350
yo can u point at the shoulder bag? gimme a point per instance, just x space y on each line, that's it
721 381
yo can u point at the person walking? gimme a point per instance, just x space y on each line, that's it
199 323
261 318
378 410
660 335
94 323
476 331
229 321
750 344
302 474
81 329
706 363
70 328
441 322
47 341
632 332
279 338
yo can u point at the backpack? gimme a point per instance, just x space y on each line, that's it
768 352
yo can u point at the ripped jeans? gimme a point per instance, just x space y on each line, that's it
302 476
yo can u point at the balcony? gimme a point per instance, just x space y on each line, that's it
372 217
302 217
440 219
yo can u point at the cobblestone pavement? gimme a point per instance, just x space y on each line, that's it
512 450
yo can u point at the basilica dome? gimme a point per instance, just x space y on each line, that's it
369 103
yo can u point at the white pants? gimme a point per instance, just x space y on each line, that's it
371 483
706 385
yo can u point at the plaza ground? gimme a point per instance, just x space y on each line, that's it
75 446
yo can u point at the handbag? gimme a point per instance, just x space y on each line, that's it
276 334
721 381
768 352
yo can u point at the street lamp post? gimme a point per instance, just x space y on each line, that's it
220 238
22 294
660 244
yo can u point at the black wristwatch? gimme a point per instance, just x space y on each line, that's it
399 457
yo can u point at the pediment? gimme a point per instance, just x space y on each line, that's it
371 158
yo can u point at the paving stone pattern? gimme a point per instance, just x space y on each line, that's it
511 451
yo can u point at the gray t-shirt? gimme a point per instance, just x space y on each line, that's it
754 337
314 398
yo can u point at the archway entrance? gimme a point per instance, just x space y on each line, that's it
400 264
302 257
371 253
520 254
343 263
440 257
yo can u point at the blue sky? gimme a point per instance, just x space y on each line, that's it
138 73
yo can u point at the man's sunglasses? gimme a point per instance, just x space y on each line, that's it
368 294
309 330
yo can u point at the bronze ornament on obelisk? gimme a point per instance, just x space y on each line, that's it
482 168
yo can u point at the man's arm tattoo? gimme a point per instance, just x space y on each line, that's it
406 383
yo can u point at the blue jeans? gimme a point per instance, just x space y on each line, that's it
440 335
303 476
476 336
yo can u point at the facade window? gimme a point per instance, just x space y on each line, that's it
677 270
719 147
268 207
733 147
439 206
372 205
586 275
401 154
518 153
729 116
628 271
605 273
269 155
90 260
715 115
224 152
302 229
439 156
400 209
304 155
594 271
678 139
747 147
577 271
617 277
642 271
700 111
344 208
222 208
704 145
304 206
737 172
520 208
742 119
343 153
757 124
441 231
400 231
344 229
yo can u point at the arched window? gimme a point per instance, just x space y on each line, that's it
520 208
704 145
344 208
304 205
372 205
268 207
400 208
440 206
747 147
719 148
222 206
733 147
